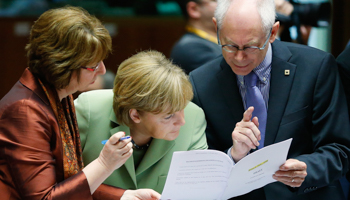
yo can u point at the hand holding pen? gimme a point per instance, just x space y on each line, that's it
116 151
122 138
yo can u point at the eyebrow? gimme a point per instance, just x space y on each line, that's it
251 43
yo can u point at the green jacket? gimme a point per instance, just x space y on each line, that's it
97 122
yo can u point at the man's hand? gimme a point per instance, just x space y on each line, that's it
292 173
245 136
140 194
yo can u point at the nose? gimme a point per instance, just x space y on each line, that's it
102 69
180 118
239 55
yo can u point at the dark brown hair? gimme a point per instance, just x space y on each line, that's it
64 39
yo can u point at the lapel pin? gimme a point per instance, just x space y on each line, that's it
287 72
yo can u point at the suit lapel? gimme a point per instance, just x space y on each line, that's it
129 164
280 87
230 91
155 152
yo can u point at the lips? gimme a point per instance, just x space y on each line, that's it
241 66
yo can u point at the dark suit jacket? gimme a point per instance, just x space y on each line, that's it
31 161
307 105
343 61
192 51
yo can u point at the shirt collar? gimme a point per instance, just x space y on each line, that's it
262 70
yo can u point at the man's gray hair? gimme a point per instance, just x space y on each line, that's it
266 9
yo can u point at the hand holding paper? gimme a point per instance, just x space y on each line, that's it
210 174
292 173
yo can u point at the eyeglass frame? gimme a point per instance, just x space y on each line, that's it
92 69
244 48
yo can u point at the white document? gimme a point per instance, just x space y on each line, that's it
211 175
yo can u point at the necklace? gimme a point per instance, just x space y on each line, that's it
141 147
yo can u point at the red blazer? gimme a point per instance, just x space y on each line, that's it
31 161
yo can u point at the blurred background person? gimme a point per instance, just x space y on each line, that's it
151 103
40 149
23 8
303 15
199 44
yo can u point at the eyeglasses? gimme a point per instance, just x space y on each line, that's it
249 50
92 69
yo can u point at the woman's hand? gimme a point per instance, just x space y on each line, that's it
140 194
115 152
113 155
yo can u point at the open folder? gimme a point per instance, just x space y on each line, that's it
211 174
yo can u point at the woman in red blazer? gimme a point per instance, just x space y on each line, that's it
40 152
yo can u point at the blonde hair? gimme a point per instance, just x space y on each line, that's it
149 82
64 39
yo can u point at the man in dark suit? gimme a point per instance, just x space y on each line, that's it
199 44
343 61
302 92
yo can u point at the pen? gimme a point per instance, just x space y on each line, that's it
122 138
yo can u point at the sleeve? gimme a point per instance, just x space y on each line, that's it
27 142
107 192
82 111
330 130
82 108
199 140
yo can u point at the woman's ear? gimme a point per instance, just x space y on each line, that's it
134 115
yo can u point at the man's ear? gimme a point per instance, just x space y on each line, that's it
274 32
193 10
134 115
216 26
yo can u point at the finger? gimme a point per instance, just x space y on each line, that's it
292 173
128 153
255 120
155 194
126 148
247 115
289 179
125 142
254 129
293 182
249 130
293 164
115 137
245 135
